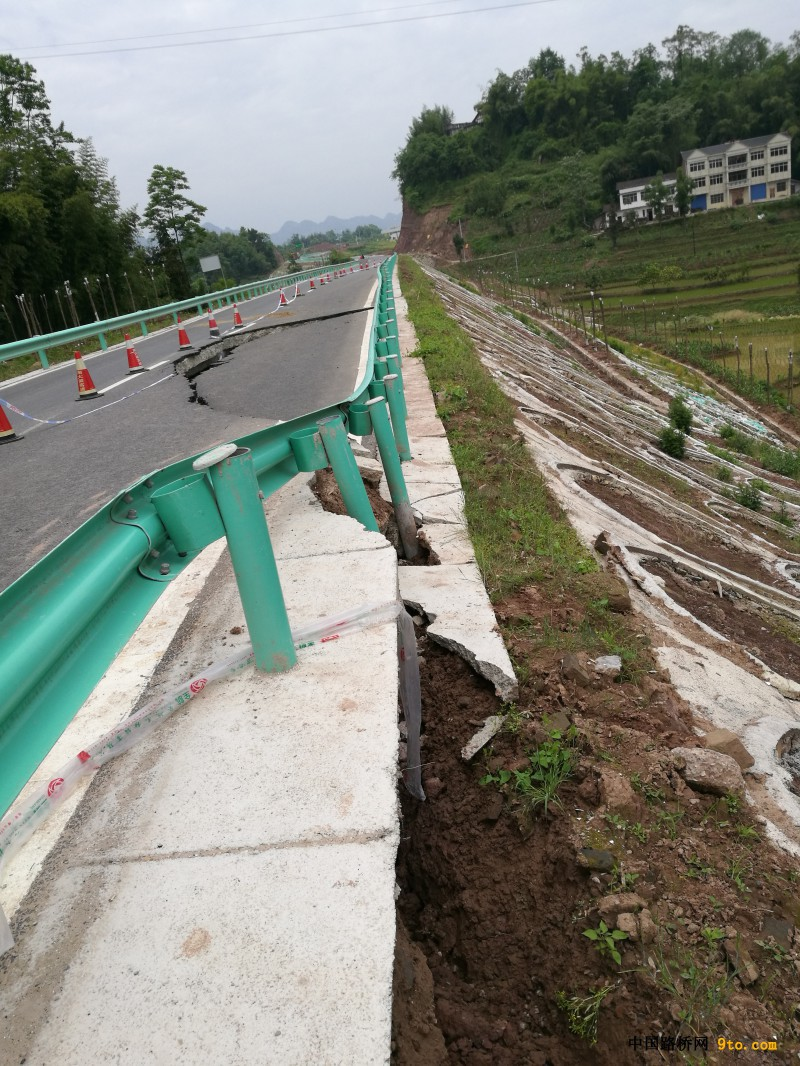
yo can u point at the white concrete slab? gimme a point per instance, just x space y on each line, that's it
247 957
462 619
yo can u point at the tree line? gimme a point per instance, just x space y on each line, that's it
69 251
604 120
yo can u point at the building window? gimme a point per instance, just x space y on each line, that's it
718 198
695 167
757 172
737 175
782 149
756 155
780 186
630 197
737 160
778 168
715 164
715 179
699 183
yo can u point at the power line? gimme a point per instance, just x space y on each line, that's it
222 29
295 33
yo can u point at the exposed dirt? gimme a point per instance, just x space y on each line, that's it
479 876
428 234
693 539
498 895
773 639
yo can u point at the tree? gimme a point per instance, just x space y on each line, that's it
683 191
656 195
171 217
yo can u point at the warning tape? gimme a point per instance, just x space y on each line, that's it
94 410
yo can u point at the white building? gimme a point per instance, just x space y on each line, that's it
633 203
748 171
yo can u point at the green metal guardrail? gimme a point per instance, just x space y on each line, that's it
39 345
63 622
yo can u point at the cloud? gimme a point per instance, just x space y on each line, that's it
307 125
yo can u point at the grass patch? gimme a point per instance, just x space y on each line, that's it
519 534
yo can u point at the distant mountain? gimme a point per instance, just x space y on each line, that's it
215 229
336 224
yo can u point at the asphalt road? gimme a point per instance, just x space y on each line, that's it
59 475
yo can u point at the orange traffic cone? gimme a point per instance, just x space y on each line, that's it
351 270
322 279
237 318
311 285
183 337
297 290
134 365
329 277
283 302
7 434
86 389
213 328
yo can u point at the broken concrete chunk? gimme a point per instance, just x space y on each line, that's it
709 771
726 742
608 664
491 726
627 923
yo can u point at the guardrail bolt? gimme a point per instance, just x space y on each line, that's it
127 498
149 483
164 569
154 553
132 513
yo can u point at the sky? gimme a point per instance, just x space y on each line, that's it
279 111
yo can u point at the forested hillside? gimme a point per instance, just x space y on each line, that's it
69 252
553 135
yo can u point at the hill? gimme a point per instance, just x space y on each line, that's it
337 225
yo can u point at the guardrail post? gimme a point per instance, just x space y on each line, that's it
103 342
387 447
393 363
43 358
143 327
345 470
235 486
394 397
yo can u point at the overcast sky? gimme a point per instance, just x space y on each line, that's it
298 117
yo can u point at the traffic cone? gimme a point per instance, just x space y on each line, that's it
237 318
329 277
213 328
351 270
184 344
297 290
283 302
134 365
322 279
86 389
7 434
311 285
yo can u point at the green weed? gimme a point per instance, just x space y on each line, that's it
582 1012
606 940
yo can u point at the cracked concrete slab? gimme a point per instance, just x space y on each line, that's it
461 619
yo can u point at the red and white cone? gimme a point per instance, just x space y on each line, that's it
213 328
283 302
86 389
7 434
322 279
237 318
134 365
297 290
329 277
311 286
184 344
351 270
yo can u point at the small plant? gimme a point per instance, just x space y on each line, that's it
652 793
777 953
606 940
724 474
582 1012
783 516
747 832
736 870
672 442
680 415
698 991
640 832
512 718
621 881
711 934
551 764
748 495
733 802
669 821
698 868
